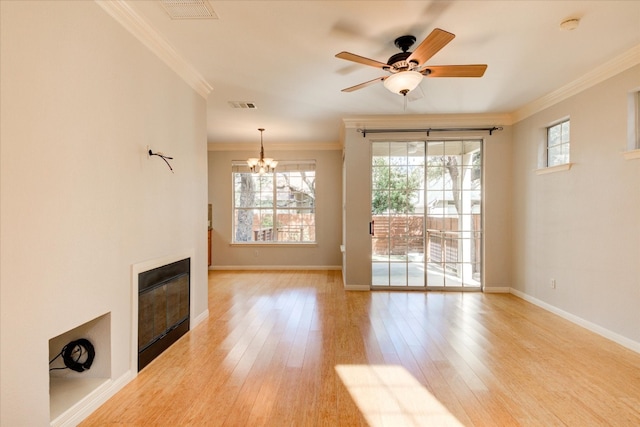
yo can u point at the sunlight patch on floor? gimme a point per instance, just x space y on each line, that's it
391 396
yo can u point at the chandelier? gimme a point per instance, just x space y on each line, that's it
262 165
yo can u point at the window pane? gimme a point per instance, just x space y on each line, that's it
434 271
416 153
398 176
416 248
565 132
472 147
380 202
554 135
398 274
245 190
435 175
476 172
435 149
465 223
414 201
380 247
416 177
243 225
380 173
556 157
380 149
296 226
399 154
265 195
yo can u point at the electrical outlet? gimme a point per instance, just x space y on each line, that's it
553 283
256 253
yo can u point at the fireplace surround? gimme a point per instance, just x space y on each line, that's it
163 308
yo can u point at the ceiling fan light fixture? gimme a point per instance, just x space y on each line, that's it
403 82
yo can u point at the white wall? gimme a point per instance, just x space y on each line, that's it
324 254
80 201
496 190
582 227
357 210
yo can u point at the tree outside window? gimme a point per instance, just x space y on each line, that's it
394 187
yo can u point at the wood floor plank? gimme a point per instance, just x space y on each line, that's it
293 348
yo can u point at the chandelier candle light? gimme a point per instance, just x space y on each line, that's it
262 165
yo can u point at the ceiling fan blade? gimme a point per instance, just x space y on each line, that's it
430 46
365 84
472 70
361 59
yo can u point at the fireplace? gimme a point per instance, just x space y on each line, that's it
163 309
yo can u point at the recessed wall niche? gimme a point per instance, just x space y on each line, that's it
68 389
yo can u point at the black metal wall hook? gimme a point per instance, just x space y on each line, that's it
163 157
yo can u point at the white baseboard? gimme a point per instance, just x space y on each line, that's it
606 333
275 267
81 410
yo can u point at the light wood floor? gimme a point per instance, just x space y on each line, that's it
294 349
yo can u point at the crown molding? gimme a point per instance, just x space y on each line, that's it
156 43
284 146
428 120
597 75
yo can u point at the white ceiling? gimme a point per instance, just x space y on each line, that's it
280 55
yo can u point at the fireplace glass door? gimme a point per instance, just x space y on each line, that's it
163 309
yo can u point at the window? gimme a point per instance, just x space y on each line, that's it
276 207
633 125
637 120
634 121
558 144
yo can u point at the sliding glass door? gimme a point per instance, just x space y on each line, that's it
397 214
426 214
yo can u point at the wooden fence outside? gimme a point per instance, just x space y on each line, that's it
442 238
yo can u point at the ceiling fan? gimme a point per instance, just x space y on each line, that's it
408 68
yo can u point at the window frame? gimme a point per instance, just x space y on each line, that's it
633 125
273 208
562 144
634 120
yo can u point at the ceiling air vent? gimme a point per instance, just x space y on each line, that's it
242 104
189 9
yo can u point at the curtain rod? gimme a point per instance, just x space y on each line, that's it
429 130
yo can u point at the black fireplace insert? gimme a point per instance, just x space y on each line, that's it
163 309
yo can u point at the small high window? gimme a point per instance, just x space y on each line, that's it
634 121
558 144
633 125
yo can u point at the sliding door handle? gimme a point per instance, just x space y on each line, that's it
372 228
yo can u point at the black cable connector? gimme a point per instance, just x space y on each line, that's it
163 157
